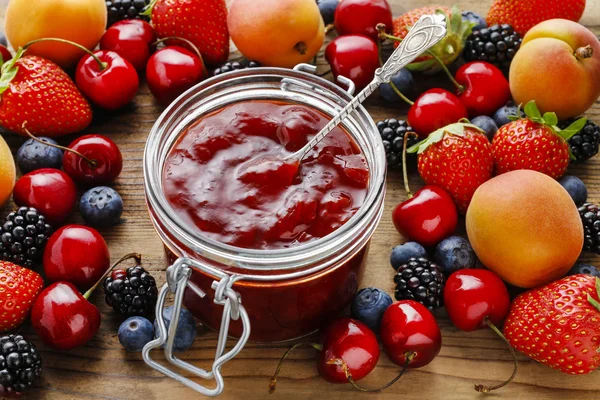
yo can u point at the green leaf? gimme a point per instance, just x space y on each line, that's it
572 129
457 129
455 20
593 302
532 111
550 118
598 287
6 78
148 9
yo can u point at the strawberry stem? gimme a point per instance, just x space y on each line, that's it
341 363
138 261
189 43
404 169
487 389
101 64
273 381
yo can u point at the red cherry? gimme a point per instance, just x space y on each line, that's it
354 56
433 110
132 39
5 53
63 318
49 190
171 71
428 217
354 343
485 88
409 327
472 295
360 17
76 254
111 85
102 152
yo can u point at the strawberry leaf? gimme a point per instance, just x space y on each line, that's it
457 129
147 11
550 118
572 129
9 71
593 301
532 112
455 19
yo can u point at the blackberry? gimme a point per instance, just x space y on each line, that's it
497 45
23 237
20 364
392 133
235 65
590 216
420 280
584 144
118 10
131 292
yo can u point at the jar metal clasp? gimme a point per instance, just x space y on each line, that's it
178 280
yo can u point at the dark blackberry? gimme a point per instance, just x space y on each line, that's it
420 280
392 133
584 144
20 364
23 237
131 292
497 45
118 10
590 216
235 65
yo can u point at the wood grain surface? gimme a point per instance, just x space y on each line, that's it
103 370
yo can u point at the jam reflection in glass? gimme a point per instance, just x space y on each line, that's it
225 176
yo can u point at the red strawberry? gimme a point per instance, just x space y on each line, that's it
524 14
559 324
18 289
448 49
457 158
534 143
36 91
203 22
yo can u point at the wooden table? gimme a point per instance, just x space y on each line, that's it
103 370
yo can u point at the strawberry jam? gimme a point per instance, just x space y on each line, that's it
226 176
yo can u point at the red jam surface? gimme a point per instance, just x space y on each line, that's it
225 176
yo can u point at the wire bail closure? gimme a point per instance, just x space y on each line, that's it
178 280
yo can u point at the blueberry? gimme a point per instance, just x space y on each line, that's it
575 187
101 206
368 307
584 269
327 9
470 16
454 253
403 81
186 329
3 40
501 116
487 124
135 333
34 155
402 253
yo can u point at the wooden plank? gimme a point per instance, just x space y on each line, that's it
102 370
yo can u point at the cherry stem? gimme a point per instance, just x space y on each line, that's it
138 261
487 389
404 169
101 63
189 43
273 381
381 28
93 163
341 363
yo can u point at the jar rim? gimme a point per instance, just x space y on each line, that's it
208 91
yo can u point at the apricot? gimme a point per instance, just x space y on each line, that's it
81 21
7 172
524 226
558 66
276 33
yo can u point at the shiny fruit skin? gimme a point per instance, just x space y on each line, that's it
428 217
63 318
131 39
76 254
433 110
7 172
19 287
50 191
171 71
80 21
474 294
360 17
270 31
408 326
110 88
486 88
6 55
351 341
102 150
355 57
